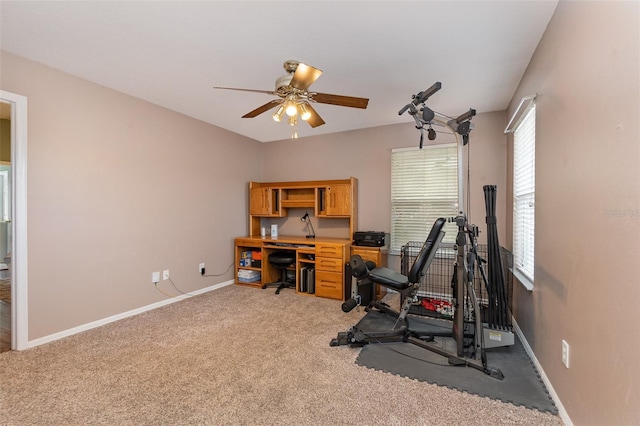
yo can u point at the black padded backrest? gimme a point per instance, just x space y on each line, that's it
359 268
421 264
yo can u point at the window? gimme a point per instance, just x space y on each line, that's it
524 194
424 187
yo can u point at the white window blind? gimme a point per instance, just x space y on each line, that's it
524 194
424 187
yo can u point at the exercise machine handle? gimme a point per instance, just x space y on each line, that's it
349 304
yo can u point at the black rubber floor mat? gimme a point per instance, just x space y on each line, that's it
521 385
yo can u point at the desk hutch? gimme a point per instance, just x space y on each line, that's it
328 199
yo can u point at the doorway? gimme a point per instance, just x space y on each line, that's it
13 224
5 227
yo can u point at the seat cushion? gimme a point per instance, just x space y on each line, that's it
282 258
389 278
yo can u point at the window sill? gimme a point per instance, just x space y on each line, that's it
524 280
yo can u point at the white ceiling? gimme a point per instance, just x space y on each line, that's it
173 53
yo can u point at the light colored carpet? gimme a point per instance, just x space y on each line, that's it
5 290
232 356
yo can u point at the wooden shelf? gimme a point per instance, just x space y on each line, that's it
298 203
250 268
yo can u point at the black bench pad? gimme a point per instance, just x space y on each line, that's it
389 278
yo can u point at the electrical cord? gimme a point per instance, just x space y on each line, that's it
174 286
161 291
179 290
218 275
183 292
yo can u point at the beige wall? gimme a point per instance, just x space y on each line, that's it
119 188
586 71
366 155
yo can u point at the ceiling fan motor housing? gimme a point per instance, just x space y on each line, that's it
283 81
291 66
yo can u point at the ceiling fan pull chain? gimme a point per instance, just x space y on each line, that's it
293 121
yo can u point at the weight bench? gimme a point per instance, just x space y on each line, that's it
407 286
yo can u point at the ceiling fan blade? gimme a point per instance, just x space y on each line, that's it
315 120
263 108
348 101
269 92
304 76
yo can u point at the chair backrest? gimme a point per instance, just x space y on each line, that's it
428 251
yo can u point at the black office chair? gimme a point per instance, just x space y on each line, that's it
282 259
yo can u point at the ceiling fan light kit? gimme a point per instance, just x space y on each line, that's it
295 98
305 114
277 116
292 108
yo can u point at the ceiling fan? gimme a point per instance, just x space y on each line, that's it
295 98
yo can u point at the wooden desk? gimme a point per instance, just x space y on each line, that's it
327 255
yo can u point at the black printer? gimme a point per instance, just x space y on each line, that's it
368 238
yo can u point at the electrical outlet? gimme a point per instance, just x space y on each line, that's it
155 277
165 274
201 268
565 353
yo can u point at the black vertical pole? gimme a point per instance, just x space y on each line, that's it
498 304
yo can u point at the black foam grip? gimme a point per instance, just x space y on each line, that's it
349 305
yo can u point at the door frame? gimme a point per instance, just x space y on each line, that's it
19 293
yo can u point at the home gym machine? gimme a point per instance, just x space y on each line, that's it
467 328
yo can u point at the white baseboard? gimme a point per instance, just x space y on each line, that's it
104 321
561 411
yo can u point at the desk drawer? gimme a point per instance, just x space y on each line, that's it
329 264
367 254
329 250
248 242
372 254
329 284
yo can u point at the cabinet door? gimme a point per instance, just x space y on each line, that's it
260 201
338 200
